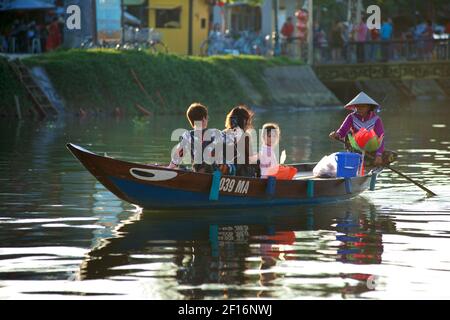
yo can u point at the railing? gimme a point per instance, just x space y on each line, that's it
405 70
382 51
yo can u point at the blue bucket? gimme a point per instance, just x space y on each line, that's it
347 164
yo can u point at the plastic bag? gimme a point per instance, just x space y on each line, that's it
327 167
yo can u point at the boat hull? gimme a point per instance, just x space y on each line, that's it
156 187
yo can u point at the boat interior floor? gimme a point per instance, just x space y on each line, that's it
304 175
304 172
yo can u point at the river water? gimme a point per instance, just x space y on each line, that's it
63 235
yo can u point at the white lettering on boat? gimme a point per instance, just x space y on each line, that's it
240 186
152 174
230 185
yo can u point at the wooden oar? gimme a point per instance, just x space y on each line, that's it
421 186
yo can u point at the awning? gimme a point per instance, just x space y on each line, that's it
242 3
26 5
130 19
134 2
164 7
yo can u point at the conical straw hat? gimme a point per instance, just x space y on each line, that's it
361 98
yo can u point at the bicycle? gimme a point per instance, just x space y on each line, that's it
246 43
216 44
134 39
158 47
149 38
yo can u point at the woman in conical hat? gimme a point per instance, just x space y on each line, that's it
364 115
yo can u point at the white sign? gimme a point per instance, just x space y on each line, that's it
73 21
374 20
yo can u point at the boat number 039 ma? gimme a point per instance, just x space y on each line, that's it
230 185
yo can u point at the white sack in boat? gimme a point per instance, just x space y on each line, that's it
327 167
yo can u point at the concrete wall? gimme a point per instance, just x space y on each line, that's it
298 86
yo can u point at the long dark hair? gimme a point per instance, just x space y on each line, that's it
240 116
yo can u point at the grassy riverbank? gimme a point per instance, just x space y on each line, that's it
102 80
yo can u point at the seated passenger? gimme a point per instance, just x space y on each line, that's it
238 152
268 155
197 114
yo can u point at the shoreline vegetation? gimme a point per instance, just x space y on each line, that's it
105 81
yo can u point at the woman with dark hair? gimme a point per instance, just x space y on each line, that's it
239 117
238 153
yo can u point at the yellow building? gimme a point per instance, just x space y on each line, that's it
183 24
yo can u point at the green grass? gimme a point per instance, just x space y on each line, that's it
101 80
10 86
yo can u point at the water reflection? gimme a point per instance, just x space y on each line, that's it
55 217
230 254
361 238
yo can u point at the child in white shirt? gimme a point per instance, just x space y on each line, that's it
268 155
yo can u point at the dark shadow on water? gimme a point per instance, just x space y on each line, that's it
218 247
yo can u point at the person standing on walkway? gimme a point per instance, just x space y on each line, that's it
361 32
54 36
375 45
320 42
386 37
287 32
428 38
337 41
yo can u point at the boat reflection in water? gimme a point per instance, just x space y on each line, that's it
277 253
361 241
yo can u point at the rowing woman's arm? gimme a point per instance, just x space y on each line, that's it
379 130
345 127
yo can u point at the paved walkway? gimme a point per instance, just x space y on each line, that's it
12 56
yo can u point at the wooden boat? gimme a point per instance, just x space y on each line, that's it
158 187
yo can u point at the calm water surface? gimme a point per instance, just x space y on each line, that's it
63 235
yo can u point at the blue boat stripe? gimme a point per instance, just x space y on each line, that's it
154 196
215 185
310 188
